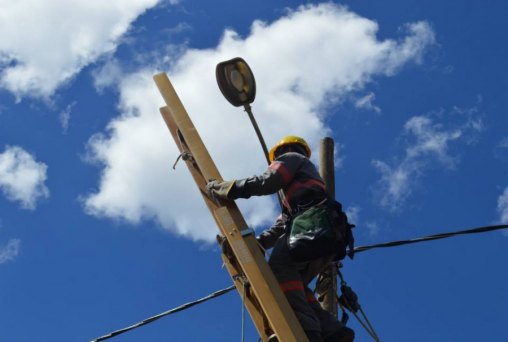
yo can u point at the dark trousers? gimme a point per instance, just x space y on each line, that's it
294 278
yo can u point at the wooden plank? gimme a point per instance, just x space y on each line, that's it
251 302
249 260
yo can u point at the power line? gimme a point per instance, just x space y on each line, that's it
356 250
431 237
166 313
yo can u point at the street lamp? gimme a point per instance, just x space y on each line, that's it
237 84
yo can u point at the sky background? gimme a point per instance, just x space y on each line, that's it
98 232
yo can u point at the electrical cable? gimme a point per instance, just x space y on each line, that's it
356 250
166 313
431 237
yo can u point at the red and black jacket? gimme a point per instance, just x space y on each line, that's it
299 181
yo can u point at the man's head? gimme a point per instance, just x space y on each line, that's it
287 144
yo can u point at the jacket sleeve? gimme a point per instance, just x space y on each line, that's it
265 184
279 173
268 238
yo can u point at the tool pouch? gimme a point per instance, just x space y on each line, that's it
343 230
320 231
312 235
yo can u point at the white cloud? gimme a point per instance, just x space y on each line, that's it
429 141
45 43
65 116
10 251
431 138
338 155
22 177
502 201
502 206
107 75
504 143
353 214
501 150
373 229
395 184
366 102
303 62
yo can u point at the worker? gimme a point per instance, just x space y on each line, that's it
292 172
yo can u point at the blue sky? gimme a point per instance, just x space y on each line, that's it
98 232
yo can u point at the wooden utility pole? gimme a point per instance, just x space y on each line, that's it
326 285
253 278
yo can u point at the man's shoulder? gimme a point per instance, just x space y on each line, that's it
290 156
293 161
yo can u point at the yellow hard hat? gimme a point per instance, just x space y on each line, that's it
290 139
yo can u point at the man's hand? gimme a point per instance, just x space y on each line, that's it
219 190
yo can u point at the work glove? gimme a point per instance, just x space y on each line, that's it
219 190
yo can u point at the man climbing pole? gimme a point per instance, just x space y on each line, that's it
311 231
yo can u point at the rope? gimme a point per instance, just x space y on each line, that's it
368 328
243 310
246 284
354 307
166 313
376 337
366 325
432 237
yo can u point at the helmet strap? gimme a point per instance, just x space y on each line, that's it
290 148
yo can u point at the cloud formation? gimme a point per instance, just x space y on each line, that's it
429 140
366 102
65 116
502 206
22 177
303 62
69 35
502 201
10 251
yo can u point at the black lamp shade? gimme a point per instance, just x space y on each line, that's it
236 81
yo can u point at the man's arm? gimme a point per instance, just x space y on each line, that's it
268 238
268 183
280 173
